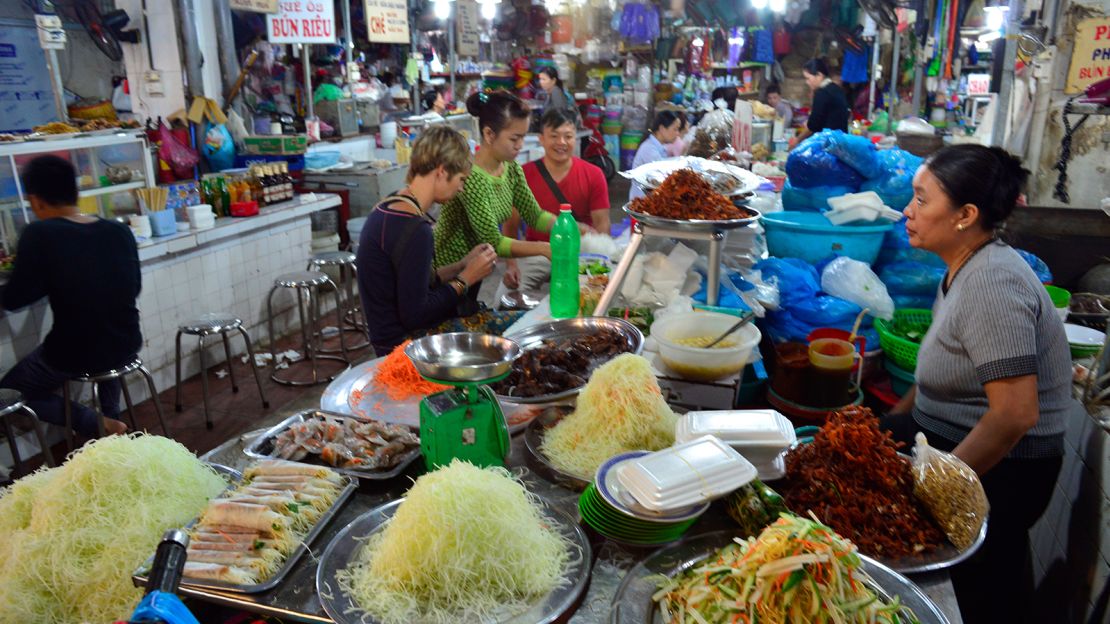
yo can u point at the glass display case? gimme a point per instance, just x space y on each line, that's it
109 166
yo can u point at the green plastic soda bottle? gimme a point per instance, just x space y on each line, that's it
564 265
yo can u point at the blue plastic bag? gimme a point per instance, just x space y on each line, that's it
911 278
857 152
895 183
915 302
826 311
218 147
897 248
815 199
811 164
639 22
796 280
1038 266
795 325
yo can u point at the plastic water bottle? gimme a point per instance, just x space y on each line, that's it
564 265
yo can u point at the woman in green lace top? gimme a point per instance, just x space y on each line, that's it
495 187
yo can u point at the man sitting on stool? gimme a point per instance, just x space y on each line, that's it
88 269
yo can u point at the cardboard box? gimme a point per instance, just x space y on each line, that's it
279 145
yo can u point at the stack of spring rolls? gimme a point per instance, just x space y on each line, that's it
245 535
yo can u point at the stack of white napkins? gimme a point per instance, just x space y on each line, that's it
862 207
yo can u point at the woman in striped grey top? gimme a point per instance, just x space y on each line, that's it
993 372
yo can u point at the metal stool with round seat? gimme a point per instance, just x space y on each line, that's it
307 286
11 403
344 262
203 327
120 374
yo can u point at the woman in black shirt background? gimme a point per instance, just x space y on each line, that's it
830 103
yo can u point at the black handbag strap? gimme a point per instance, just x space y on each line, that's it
555 190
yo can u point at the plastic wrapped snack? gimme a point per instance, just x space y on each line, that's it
951 491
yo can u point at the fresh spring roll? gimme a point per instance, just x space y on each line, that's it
246 515
284 543
281 467
246 561
302 514
218 572
206 552
319 498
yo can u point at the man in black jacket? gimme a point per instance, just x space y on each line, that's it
88 269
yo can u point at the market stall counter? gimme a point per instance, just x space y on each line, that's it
296 598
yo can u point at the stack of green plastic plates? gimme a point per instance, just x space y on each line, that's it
610 510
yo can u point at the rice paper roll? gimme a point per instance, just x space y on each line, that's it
285 468
219 572
247 561
246 515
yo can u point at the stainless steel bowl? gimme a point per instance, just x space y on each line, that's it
462 356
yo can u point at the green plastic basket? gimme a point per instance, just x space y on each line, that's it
902 352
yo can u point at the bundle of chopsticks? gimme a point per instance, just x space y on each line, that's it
152 199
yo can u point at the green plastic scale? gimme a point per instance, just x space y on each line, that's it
465 422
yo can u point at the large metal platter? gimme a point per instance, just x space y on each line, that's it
352 394
533 440
727 179
943 557
256 448
348 543
139 577
632 603
534 335
693 225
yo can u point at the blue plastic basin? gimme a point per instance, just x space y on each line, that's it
810 237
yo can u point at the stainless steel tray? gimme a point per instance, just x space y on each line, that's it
693 225
534 335
139 577
254 449
533 439
632 603
943 557
352 395
348 543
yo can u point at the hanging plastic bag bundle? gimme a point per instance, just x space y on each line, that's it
951 491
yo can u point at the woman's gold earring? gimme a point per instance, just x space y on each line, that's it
961 227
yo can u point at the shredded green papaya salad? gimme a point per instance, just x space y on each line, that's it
797 570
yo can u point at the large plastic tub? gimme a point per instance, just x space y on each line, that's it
810 237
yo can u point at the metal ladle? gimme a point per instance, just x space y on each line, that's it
747 318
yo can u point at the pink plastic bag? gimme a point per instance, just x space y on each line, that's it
180 157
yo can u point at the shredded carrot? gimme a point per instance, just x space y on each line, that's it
397 377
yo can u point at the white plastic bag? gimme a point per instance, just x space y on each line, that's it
854 281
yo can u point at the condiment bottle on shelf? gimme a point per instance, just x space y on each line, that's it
564 265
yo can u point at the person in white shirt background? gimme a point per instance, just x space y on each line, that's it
665 129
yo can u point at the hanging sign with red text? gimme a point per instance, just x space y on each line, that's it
302 21
387 21
1090 58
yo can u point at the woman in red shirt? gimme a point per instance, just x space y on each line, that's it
557 178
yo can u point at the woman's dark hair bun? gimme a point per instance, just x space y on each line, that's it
990 178
495 109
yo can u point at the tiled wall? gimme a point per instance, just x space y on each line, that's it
1071 542
231 277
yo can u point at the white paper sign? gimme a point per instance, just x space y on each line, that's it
387 21
467 31
255 6
302 21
